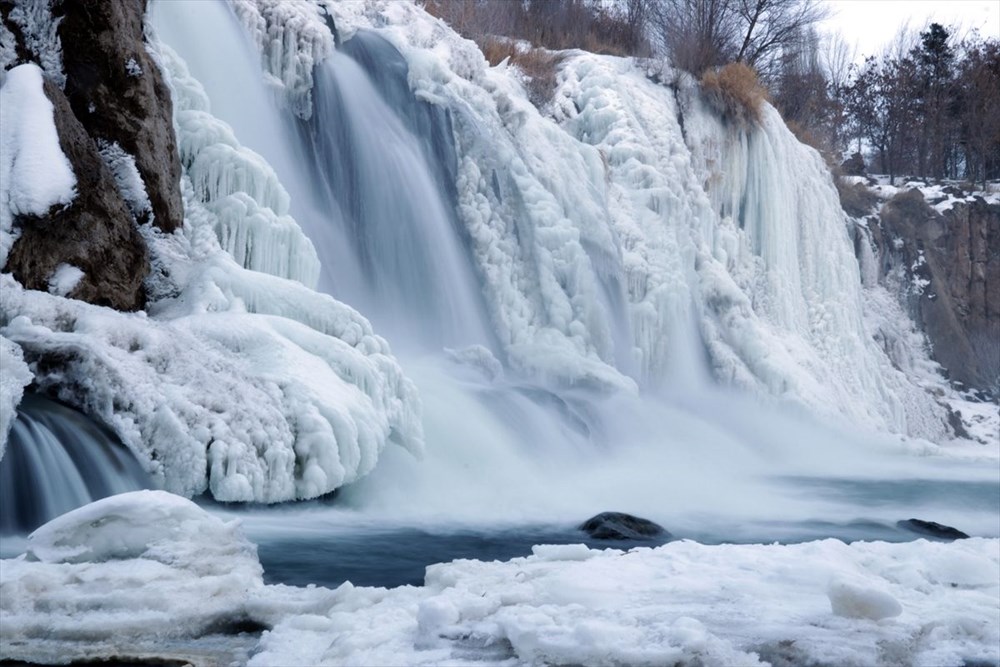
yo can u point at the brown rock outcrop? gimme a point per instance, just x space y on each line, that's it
96 233
955 259
118 94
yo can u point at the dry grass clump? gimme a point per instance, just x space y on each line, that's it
735 91
538 65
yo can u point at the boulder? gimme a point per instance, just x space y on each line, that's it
621 526
931 529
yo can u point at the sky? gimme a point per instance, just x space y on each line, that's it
871 24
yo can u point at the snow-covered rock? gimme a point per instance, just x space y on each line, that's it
146 565
35 175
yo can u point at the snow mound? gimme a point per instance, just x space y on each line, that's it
141 565
65 279
14 377
35 175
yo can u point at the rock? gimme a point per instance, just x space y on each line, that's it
853 166
955 257
117 92
621 526
931 529
95 233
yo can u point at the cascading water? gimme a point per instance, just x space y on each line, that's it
58 459
415 277
374 171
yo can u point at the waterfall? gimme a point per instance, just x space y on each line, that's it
57 459
375 147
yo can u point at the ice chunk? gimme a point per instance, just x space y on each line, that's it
859 600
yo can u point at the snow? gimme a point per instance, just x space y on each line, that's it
127 178
133 68
65 279
35 175
14 377
140 568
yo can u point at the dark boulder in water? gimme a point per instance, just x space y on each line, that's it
931 529
621 526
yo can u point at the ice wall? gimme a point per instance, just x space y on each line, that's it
627 236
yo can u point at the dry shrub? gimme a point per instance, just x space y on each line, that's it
735 91
538 65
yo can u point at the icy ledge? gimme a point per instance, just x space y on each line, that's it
167 570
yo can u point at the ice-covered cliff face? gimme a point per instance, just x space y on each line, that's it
627 236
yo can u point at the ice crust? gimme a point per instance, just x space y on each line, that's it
160 567
35 175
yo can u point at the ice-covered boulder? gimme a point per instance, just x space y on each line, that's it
126 570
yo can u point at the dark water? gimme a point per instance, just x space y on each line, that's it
399 557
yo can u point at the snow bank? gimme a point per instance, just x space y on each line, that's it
142 567
35 175
14 377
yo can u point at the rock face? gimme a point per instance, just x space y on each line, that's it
118 94
950 263
96 233
621 526
113 113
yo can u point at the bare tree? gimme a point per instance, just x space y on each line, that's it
699 34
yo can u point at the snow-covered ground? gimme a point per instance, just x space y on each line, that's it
136 572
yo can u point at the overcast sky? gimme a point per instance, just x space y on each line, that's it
871 24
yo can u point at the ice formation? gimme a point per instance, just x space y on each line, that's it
627 231
236 185
292 38
15 377
35 175
248 385
165 569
